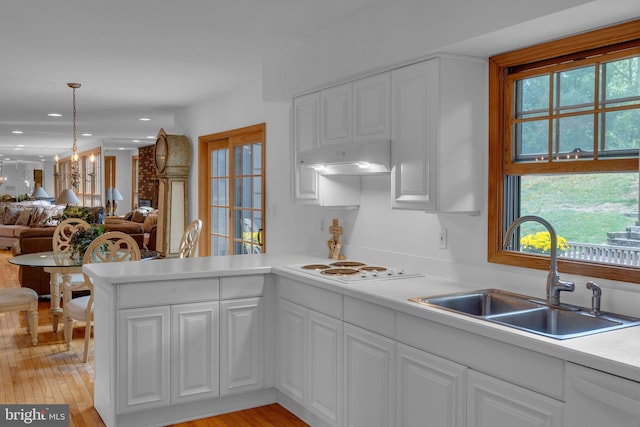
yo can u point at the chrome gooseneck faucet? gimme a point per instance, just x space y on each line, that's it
554 284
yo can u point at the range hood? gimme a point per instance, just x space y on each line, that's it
356 158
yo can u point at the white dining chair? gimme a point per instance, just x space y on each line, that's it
113 246
61 242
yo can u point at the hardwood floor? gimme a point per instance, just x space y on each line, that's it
49 374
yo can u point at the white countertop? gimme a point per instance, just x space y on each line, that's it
616 352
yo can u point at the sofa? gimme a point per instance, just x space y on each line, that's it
19 216
39 239
147 217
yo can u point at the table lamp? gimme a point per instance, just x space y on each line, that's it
67 197
108 197
115 197
40 194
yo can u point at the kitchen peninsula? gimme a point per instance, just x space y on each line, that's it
185 339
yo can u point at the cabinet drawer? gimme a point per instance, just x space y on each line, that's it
167 292
517 365
370 316
241 286
320 300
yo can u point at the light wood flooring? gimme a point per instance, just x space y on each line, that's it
49 374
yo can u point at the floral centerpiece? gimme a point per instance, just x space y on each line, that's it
540 243
81 239
76 212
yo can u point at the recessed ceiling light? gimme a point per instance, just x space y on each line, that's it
151 137
17 132
144 119
87 134
135 140
20 145
54 115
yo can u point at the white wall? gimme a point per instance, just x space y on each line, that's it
375 231
123 177
17 172
398 31
237 109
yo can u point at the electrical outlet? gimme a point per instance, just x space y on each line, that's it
442 239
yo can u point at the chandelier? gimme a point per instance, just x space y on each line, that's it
75 174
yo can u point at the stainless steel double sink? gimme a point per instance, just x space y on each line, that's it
528 313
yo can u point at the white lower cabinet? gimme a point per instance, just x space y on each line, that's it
310 360
194 351
241 345
292 367
369 380
143 358
495 403
595 398
166 345
325 367
430 390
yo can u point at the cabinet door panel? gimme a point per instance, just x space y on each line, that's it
325 367
194 356
414 135
599 399
307 185
143 361
431 385
495 403
306 116
371 105
369 379
241 338
305 119
291 350
335 115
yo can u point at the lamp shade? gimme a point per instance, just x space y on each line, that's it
67 197
40 194
116 194
109 194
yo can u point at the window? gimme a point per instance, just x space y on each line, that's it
564 134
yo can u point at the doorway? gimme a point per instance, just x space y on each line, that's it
231 199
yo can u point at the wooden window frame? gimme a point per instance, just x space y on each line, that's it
499 66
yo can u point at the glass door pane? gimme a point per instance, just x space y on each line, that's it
219 208
248 198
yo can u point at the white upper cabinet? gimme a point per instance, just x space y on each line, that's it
372 108
306 121
335 115
358 111
438 133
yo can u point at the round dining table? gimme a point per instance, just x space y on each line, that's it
61 266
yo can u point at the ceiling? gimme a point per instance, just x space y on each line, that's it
134 59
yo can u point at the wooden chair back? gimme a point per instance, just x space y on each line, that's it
64 231
189 241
